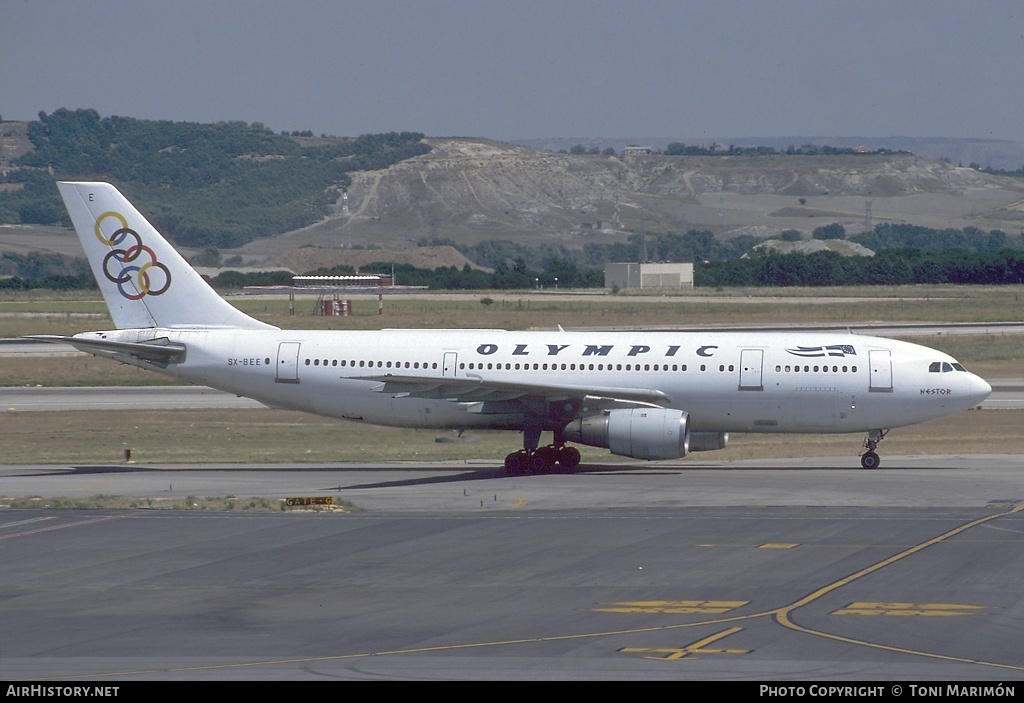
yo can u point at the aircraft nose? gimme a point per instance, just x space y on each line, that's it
979 390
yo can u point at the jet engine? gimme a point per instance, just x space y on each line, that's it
641 433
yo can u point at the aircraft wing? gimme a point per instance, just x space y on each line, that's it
158 351
472 388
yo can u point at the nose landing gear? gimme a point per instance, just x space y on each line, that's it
869 459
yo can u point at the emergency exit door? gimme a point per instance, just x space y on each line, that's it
751 362
287 362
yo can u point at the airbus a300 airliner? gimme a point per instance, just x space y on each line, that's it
647 395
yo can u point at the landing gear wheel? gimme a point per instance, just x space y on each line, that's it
869 459
543 460
568 458
517 463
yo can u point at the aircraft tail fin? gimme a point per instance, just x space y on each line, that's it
144 281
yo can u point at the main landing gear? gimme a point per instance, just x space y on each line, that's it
869 459
542 460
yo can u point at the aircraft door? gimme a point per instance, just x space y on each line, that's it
880 366
287 362
449 365
751 362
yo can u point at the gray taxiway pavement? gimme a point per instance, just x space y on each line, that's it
45 398
803 570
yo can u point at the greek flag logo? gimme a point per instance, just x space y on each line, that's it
842 350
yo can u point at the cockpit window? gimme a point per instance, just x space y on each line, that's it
958 367
935 367
944 367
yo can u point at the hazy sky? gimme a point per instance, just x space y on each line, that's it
519 69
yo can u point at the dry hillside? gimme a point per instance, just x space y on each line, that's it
14 142
471 190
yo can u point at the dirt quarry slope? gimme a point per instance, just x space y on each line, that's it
472 190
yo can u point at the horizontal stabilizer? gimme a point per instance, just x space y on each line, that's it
158 351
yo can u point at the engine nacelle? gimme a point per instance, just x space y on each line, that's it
708 441
641 433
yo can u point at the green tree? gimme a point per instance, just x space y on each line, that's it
203 185
832 231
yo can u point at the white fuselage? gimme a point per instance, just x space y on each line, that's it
800 382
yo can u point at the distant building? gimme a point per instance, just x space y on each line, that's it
351 281
634 150
648 276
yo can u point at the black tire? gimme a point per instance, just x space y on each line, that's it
870 460
543 460
568 458
516 463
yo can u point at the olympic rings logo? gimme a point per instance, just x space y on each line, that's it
124 265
